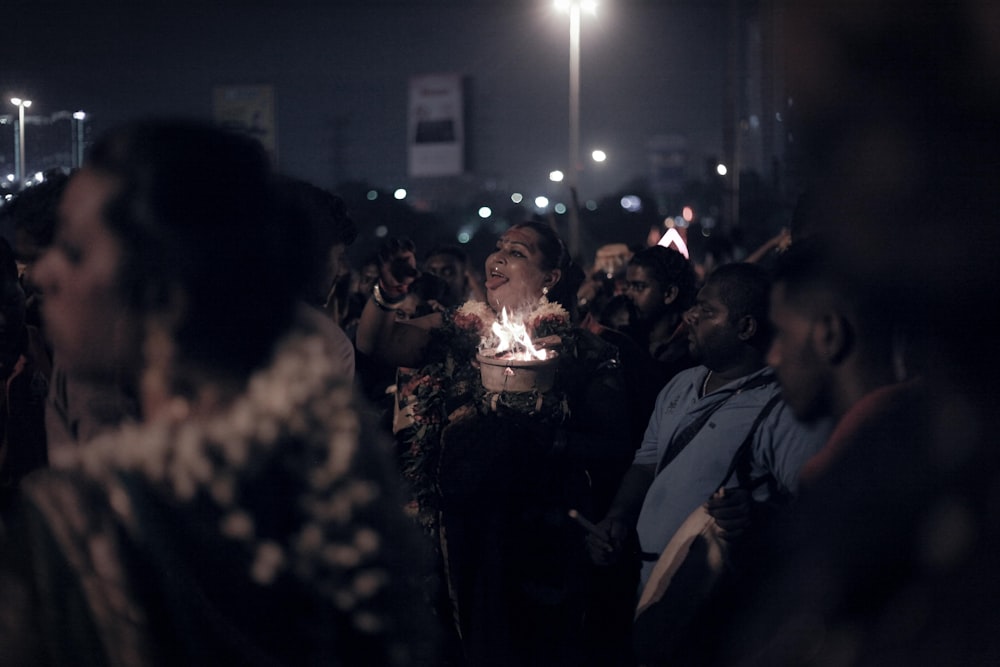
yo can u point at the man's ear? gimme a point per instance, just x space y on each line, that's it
833 337
670 295
746 328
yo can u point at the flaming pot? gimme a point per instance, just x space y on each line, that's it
518 375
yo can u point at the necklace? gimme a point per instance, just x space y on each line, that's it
704 385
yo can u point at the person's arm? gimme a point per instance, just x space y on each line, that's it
781 241
380 335
621 518
393 342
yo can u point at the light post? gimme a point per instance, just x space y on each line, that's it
78 138
574 7
21 106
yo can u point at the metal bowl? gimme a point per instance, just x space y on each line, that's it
518 375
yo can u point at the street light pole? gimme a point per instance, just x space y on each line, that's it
575 8
21 106
78 135
573 168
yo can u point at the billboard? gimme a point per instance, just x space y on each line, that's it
248 110
436 125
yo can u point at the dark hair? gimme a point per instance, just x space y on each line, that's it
324 212
669 267
745 289
8 263
213 238
33 211
809 267
451 251
554 256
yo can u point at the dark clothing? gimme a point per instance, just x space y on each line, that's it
889 557
267 533
23 447
515 562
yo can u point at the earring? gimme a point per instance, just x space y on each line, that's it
545 291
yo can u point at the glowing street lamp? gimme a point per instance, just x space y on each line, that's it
21 106
574 7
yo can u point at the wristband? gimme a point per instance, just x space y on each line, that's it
382 302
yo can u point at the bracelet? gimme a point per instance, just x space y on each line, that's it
382 302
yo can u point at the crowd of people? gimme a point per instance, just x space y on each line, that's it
222 445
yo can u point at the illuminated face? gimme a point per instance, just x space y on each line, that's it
367 278
645 293
712 339
514 274
795 360
86 318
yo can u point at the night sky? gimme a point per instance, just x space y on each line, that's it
340 70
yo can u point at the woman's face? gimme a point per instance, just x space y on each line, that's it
86 318
514 273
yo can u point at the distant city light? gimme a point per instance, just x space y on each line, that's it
10 178
372 195
381 231
541 202
631 203
39 176
485 212
688 213
721 169
516 197
559 208
556 176
464 236
400 193
591 205
599 156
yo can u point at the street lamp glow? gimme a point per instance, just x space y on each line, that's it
516 197
79 115
721 170
556 176
589 6
485 212
599 156
399 194
541 202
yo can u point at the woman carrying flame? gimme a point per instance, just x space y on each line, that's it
494 473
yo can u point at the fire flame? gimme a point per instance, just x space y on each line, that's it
514 339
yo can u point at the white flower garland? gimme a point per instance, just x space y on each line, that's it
296 398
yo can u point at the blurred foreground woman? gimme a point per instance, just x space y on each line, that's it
248 518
